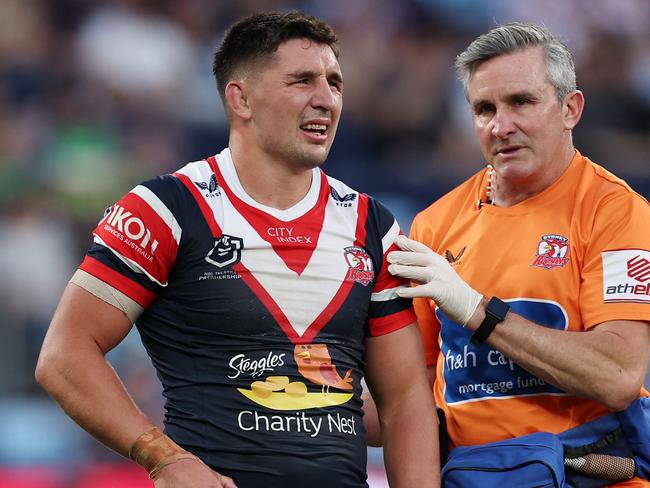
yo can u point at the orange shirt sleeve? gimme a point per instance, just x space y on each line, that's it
424 310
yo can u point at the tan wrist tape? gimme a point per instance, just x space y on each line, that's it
153 450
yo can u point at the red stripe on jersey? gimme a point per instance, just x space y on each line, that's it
362 216
385 280
130 288
203 206
239 268
327 314
389 323
135 231
346 286
269 303
293 241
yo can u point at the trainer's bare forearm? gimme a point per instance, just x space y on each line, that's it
606 363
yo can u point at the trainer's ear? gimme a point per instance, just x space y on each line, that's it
237 98
572 108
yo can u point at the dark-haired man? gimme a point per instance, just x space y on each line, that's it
260 289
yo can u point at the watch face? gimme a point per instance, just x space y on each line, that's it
498 308
495 312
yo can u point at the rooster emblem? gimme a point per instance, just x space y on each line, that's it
315 364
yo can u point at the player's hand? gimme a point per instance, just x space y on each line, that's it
190 473
437 279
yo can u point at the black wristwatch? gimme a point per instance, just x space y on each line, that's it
495 312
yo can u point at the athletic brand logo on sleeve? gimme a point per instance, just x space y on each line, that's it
212 186
360 263
343 201
626 276
552 251
226 251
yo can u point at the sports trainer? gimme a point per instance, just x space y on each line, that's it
535 272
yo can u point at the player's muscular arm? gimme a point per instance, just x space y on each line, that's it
397 378
606 363
73 370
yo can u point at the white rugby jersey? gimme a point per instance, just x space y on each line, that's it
255 318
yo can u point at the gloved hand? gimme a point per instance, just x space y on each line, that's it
437 279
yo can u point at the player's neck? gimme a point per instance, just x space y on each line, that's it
269 182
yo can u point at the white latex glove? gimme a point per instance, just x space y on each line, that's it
437 279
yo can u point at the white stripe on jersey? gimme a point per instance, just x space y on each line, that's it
200 171
386 295
135 267
161 209
302 298
229 172
390 237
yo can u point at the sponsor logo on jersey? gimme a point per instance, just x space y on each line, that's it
290 397
226 251
552 251
254 367
211 187
360 263
286 234
342 201
131 230
454 259
639 269
475 373
626 276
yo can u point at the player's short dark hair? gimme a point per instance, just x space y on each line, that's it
258 36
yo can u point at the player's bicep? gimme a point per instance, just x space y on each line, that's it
394 364
82 319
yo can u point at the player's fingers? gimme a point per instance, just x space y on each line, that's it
224 481
227 482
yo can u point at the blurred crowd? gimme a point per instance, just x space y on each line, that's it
96 96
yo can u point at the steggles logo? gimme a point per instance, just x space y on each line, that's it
638 268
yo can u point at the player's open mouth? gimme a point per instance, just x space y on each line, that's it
316 130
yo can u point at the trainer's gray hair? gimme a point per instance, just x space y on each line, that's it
515 36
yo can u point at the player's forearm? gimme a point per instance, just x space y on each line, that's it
409 433
89 391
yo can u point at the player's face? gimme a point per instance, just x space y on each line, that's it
296 103
518 118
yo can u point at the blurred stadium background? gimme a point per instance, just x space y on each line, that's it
97 95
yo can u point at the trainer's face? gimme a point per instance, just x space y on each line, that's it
521 125
296 102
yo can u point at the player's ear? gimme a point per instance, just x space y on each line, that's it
237 98
572 108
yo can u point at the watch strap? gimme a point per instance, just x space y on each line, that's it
495 312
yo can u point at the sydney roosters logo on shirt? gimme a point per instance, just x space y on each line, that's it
360 263
552 251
